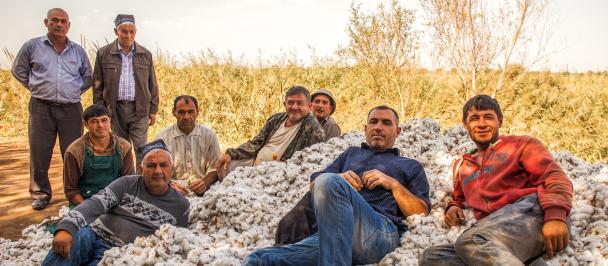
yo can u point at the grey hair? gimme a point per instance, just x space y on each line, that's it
56 9
155 151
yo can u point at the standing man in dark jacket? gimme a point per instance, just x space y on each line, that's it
125 82
56 71
282 135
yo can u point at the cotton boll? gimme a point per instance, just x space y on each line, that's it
241 213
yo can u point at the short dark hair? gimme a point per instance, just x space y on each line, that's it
94 110
187 99
295 90
481 102
384 107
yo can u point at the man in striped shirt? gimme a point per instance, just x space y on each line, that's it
195 147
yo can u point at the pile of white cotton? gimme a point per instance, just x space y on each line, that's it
240 214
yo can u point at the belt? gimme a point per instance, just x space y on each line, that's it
53 103
125 102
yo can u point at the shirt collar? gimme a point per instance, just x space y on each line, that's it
394 151
195 131
46 39
475 150
121 51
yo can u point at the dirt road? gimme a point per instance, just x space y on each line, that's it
15 204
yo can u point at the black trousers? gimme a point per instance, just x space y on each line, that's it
48 120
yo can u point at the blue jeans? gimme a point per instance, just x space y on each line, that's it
350 231
87 249
512 235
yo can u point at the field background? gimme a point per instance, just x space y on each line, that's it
567 111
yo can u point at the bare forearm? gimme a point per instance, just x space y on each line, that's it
408 203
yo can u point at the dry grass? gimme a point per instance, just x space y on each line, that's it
566 111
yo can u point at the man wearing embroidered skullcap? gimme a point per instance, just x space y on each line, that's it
125 82
130 207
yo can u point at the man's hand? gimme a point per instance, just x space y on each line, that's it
199 186
152 119
179 188
454 216
353 179
375 178
77 199
62 243
555 233
222 165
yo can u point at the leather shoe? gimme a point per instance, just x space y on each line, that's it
39 204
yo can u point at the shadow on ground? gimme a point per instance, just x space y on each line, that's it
15 204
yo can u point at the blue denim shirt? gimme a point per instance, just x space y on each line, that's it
408 172
59 78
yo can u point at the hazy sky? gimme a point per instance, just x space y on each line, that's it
247 27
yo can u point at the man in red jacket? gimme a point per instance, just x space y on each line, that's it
520 196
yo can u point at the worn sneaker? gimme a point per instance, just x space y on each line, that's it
39 204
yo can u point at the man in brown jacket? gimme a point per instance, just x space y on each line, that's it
124 81
96 159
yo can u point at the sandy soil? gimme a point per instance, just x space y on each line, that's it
16 212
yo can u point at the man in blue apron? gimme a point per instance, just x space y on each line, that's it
96 159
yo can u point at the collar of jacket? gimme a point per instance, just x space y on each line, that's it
114 48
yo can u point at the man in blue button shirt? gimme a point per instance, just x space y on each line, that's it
56 71
360 201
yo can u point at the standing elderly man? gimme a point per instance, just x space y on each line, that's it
520 196
195 147
125 82
282 135
323 105
56 71
130 207
360 201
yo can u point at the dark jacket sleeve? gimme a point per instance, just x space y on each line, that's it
21 66
153 88
250 148
98 85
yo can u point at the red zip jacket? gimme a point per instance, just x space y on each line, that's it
512 167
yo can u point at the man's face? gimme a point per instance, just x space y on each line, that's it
321 106
186 114
58 24
126 34
157 170
381 129
297 107
98 126
482 125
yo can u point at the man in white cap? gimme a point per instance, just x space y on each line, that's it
323 106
